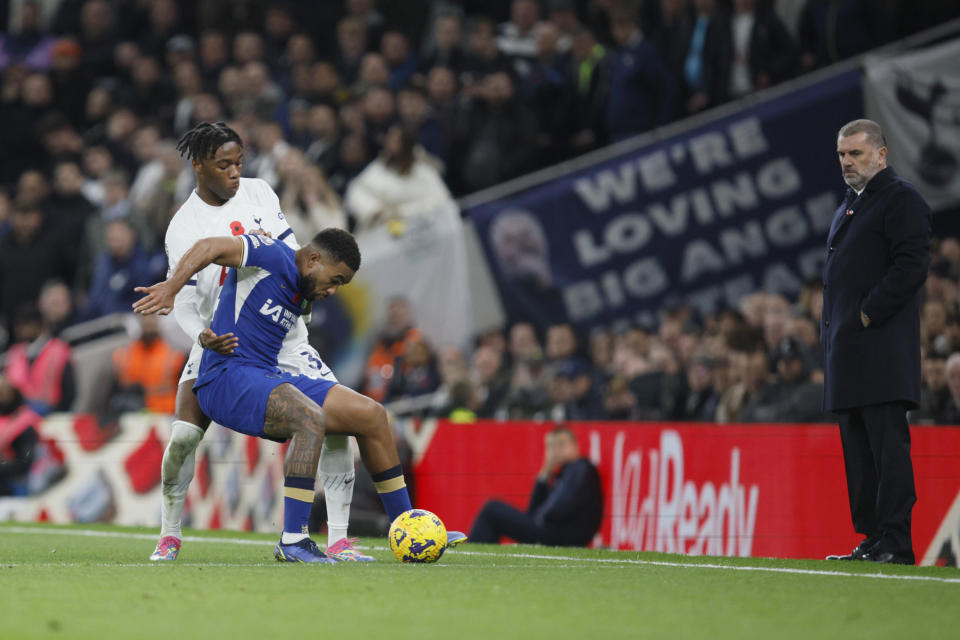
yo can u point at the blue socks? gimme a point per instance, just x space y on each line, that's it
393 491
297 500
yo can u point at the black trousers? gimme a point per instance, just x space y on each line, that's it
876 454
498 519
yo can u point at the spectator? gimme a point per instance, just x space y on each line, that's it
69 211
398 333
25 43
247 47
149 368
563 15
401 61
270 147
415 372
547 92
641 89
308 203
483 56
351 161
516 38
706 60
55 304
820 38
397 189
122 266
571 392
97 38
446 51
950 414
28 258
751 373
351 45
566 506
374 72
701 398
416 116
490 380
38 364
762 51
934 391
188 84
19 425
379 114
561 342
214 56
325 136
589 75
619 403
70 82
503 144
792 397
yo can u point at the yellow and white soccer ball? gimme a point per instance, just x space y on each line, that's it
417 536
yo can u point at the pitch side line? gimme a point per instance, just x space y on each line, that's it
526 556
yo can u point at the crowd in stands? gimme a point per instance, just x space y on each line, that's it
363 114
759 362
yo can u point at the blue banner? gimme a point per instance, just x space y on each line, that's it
739 205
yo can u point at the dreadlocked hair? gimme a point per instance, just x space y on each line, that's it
204 139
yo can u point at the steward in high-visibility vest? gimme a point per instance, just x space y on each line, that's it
152 364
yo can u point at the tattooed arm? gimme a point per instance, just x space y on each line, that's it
225 251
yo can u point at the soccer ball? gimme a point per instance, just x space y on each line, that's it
417 536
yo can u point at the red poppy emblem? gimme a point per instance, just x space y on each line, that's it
236 228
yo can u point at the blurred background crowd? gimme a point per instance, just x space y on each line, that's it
362 113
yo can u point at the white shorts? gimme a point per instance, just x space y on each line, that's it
302 360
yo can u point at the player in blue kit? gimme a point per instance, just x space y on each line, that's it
269 287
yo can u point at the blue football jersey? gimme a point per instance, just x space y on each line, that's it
259 303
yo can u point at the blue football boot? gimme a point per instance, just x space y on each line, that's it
304 551
455 538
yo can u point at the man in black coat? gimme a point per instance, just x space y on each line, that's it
566 506
878 252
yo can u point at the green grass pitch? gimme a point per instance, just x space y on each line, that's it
95 582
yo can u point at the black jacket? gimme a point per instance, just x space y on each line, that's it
571 509
877 260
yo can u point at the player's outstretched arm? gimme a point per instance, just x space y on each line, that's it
226 251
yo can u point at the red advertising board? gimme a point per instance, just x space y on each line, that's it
738 490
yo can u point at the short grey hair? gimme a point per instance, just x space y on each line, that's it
873 130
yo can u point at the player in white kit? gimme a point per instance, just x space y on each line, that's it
224 203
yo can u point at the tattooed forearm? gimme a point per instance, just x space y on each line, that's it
290 411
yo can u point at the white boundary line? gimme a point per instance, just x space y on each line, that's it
525 556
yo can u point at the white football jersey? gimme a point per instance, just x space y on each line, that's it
254 207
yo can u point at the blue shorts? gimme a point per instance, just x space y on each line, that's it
236 395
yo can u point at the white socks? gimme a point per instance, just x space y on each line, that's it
337 476
177 472
336 473
290 538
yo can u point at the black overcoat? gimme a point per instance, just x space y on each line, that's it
878 252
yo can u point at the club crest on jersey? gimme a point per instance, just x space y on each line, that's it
280 214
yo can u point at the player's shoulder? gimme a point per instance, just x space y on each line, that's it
257 190
184 220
